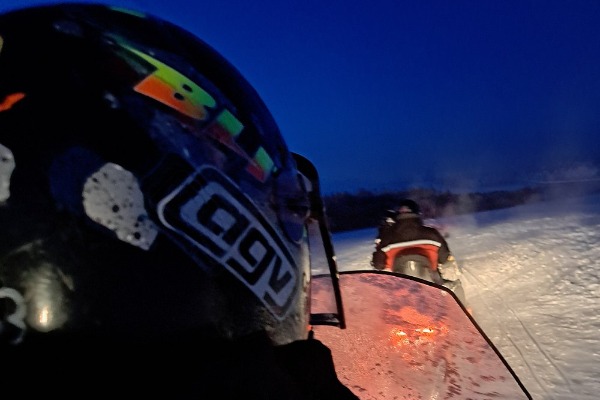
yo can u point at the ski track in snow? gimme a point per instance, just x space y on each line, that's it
532 277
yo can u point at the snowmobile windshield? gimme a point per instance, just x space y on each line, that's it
407 338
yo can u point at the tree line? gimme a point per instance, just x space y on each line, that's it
365 209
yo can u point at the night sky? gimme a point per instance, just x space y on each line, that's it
387 94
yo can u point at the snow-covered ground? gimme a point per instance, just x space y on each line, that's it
532 278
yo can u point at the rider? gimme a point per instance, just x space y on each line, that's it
154 223
409 246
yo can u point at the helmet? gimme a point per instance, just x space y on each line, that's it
408 206
145 188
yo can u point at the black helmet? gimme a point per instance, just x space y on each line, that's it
145 188
408 206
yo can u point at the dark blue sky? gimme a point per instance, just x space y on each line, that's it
389 93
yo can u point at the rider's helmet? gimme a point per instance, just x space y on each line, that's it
145 189
408 206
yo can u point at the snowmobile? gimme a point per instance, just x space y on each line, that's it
418 258
395 336
408 338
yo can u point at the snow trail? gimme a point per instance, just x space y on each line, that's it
532 278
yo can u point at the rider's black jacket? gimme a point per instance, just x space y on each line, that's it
409 227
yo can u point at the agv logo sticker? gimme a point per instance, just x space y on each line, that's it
210 213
